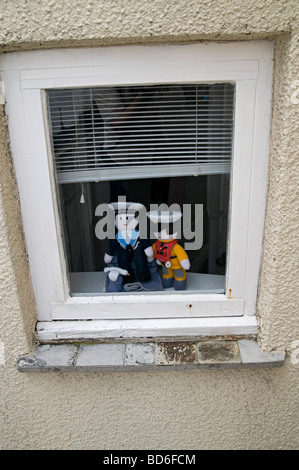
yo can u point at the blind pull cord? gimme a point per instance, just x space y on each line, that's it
82 198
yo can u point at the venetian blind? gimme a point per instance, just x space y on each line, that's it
107 133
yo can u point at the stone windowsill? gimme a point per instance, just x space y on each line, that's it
161 356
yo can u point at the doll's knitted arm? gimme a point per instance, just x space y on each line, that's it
111 251
182 257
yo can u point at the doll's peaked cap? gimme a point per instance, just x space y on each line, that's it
123 207
166 217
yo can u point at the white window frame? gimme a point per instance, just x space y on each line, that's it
26 76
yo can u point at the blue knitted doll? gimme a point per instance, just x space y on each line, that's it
128 246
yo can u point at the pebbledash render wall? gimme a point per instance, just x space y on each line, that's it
204 409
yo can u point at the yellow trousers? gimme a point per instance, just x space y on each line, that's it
177 274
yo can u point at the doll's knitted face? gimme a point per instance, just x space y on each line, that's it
165 231
126 222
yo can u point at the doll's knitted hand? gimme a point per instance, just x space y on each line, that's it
185 263
149 253
108 258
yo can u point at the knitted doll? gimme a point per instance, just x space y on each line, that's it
167 251
129 248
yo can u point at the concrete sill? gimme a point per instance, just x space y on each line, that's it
160 356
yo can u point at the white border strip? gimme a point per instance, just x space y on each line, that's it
153 328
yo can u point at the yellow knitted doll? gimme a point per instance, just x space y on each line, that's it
168 252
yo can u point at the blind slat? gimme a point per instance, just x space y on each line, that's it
125 173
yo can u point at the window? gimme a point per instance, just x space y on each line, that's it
184 126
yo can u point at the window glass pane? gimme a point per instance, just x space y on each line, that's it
153 145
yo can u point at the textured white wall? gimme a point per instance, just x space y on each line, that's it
40 23
174 410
